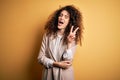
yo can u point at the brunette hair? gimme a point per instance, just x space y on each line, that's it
75 20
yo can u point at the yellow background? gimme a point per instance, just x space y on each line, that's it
22 26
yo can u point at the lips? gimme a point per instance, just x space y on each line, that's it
60 23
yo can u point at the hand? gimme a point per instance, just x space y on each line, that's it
71 36
63 64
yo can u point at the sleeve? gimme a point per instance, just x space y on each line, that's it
47 62
69 53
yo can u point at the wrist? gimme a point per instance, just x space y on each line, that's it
56 64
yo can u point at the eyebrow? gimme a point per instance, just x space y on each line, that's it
65 15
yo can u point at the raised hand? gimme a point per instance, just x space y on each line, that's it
71 36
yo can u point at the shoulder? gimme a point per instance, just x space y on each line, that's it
47 36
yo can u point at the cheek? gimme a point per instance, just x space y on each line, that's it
58 18
67 21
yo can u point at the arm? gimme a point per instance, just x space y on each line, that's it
62 64
42 55
48 62
67 57
71 46
69 52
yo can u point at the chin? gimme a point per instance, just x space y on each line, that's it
61 27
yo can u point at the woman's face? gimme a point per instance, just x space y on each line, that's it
63 19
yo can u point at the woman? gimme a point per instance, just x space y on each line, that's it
63 31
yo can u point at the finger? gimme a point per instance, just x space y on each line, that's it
76 30
68 64
71 29
72 37
67 61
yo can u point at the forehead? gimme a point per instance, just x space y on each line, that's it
65 12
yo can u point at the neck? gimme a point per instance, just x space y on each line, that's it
61 32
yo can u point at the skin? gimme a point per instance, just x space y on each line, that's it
64 19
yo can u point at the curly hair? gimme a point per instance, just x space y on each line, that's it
75 20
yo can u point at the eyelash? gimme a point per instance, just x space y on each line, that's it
62 15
